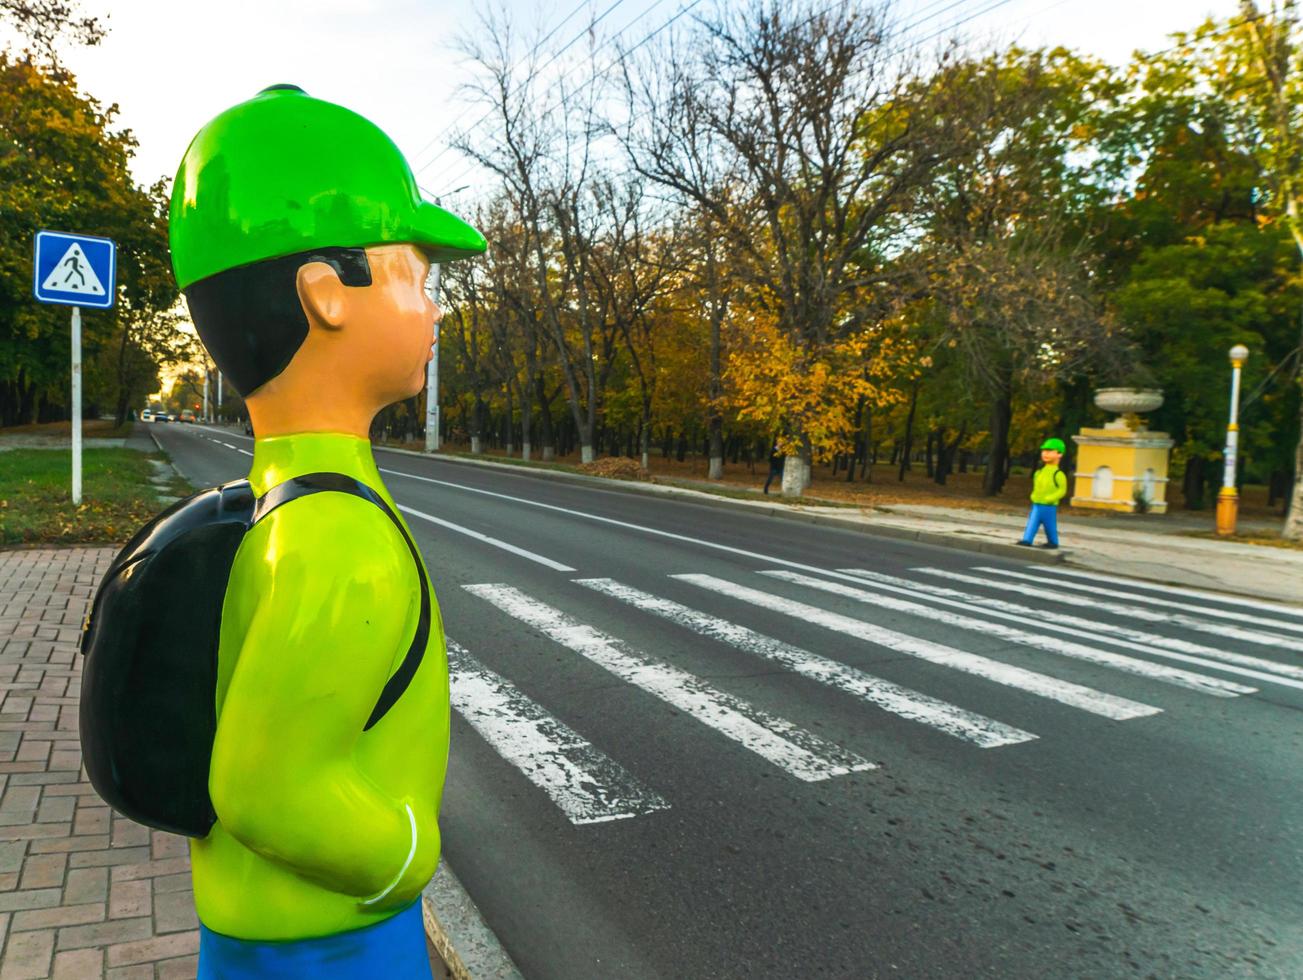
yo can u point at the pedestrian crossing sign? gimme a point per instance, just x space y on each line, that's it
74 270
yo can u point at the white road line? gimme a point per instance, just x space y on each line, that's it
1066 623
532 556
584 782
611 521
967 725
1149 600
1139 612
1065 692
1078 651
1278 609
801 753
486 539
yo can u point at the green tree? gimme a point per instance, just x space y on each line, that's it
63 165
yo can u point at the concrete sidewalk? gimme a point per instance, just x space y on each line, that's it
84 893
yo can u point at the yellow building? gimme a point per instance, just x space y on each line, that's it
1123 459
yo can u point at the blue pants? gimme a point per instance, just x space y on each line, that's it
1043 515
393 949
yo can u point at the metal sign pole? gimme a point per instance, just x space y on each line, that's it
76 404
432 376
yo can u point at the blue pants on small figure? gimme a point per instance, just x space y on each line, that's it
1043 515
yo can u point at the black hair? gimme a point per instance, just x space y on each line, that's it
250 317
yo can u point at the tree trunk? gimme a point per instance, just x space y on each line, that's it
946 454
907 443
932 438
1001 417
1293 530
546 436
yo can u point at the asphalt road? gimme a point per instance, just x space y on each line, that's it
668 761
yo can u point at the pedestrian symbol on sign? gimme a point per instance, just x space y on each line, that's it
73 274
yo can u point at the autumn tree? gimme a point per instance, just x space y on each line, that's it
809 114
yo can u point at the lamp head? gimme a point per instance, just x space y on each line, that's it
1239 353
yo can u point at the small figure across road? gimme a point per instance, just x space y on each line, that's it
1049 486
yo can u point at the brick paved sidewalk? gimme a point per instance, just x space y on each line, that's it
84 893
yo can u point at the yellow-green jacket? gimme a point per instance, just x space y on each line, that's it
1049 485
316 817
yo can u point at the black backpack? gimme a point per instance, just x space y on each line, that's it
149 681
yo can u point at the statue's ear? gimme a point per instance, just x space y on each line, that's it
323 296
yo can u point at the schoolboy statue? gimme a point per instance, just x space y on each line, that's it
302 245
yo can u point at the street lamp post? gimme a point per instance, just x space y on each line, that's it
1228 501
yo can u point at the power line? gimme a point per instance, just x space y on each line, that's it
468 168
533 51
533 73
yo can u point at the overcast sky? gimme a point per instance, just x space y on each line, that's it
171 66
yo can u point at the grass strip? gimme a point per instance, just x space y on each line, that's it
117 497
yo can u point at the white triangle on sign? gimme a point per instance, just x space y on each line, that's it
74 274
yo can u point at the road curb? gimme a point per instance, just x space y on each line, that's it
934 538
469 948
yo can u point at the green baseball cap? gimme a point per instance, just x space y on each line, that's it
284 173
1055 444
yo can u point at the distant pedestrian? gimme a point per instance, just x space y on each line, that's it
1049 486
775 467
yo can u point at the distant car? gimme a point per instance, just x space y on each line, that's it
187 415
171 416
147 415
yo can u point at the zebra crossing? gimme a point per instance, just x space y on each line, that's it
588 786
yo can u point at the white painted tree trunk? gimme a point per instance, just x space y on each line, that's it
585 454
792 476
525 451
716 471
646 461
549 453
477 445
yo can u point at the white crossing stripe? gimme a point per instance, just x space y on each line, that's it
800 753
1193 622
1065 692
1159 672
967 725
1276 608
1068 624
586 784
1257 663
556 566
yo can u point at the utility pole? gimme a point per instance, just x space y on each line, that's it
219 393
432 369
432 376
206 418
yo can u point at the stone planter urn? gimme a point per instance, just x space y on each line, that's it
1130 403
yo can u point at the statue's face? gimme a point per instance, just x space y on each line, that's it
397 318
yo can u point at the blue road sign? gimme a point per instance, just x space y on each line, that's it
74 270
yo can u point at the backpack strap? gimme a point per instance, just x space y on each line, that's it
303 486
